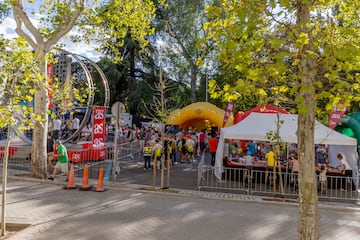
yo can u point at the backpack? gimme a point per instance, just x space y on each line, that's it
190 148
158 152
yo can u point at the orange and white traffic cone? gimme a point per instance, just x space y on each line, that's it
100 185
85 181
71 183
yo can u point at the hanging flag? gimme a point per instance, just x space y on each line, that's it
337 114
228 110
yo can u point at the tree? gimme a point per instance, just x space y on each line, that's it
180 26
60 17
18 79
159 110
131 77
4 11
297 51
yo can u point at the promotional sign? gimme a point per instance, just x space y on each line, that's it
229 109
98 139
337 114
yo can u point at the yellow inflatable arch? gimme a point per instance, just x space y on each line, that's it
199 115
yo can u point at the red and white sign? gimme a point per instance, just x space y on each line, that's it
337 114
229 109
98 139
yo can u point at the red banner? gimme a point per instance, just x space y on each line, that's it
337 114
228 110
50 75
98 138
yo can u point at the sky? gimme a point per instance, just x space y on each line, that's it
7 28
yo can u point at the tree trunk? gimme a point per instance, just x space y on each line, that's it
39 138
36 40
308 226
4 180
194 73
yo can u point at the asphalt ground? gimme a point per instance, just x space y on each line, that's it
129 209
182 175
127 213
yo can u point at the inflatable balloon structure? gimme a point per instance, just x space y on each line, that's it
199 115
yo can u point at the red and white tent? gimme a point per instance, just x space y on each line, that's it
257 125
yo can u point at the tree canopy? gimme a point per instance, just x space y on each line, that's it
258 42
305 53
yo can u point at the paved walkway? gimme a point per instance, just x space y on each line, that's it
128 212
124 213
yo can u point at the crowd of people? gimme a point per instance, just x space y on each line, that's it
265 151
181 147
63 128
187 146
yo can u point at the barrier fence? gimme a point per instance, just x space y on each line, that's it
240 180
233 179
19 161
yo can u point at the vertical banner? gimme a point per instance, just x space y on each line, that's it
337 114
49 71
228 110
98 138
68 85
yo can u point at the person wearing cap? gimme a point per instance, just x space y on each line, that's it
62 162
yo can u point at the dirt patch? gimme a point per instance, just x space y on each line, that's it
12 228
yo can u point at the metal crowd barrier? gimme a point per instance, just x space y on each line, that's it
233 180
19 162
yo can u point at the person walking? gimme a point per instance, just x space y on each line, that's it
212 146
249 172
202 141
147 151
75 125
50 151
63 160
157 150
56 127
294 170
174 150
182 149
323 178
190 146
142 136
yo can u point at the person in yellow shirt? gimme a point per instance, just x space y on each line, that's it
270 157
147 151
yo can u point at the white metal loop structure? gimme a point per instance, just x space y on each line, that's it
88 68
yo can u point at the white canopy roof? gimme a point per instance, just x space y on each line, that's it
257 125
